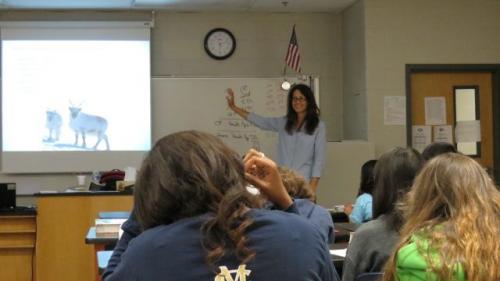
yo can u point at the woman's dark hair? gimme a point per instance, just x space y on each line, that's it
311 120
367 179
191 173
394 174
436 148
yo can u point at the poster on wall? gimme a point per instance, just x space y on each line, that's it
394 110
443 133
435 110
421 137
468 131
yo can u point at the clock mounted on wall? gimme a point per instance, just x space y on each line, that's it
219 43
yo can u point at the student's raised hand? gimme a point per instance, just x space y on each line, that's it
263 173
230 98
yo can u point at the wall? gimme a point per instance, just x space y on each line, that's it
339 182
400 32
396 32
354 72
262 41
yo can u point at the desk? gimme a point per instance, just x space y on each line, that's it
114 215
338 216
338 261
63 219
343 231
348 226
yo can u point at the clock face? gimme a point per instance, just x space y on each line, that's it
220 43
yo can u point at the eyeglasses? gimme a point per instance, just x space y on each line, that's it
298 99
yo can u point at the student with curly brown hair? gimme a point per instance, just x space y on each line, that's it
452 225
200 223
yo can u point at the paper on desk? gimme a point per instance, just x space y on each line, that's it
48 191
339 252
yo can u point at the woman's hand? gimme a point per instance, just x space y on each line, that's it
263 173
230 98
232 105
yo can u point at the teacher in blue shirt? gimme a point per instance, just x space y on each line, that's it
301 134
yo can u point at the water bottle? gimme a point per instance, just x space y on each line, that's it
96 177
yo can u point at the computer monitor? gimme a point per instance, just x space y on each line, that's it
7 195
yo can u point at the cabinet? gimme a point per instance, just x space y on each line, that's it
63 221
17 246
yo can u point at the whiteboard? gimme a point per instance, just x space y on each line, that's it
199 104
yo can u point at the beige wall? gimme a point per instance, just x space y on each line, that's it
400 32
262 41
394 33
340 180
354 72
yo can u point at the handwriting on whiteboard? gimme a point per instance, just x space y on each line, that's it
234 129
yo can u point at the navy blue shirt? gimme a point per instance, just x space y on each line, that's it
318 215
286 247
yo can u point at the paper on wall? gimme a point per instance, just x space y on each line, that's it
130 173
394 110
443 133
435 110
421 137
468 131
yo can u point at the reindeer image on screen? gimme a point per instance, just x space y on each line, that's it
82 123
53 123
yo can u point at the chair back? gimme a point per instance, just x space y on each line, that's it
370 276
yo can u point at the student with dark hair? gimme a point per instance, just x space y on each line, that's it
301 134
452 225
436 148
131 229
374 241
298 189
200 223
362 211
294 184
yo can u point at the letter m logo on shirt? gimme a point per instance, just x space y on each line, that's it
225 274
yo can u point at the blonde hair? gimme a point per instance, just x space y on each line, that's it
295 184
455 206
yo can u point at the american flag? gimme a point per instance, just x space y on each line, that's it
292 58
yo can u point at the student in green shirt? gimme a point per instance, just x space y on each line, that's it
452 225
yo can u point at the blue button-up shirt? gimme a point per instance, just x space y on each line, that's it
362 211
298 151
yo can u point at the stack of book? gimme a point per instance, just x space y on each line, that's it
108 227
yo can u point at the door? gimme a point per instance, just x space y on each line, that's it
448 85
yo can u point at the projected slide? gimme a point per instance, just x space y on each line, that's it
74 95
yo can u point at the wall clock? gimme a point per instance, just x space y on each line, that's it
219 43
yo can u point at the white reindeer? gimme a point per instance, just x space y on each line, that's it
83 124
53 122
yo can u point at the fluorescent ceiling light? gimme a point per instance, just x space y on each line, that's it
153 2
66 4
